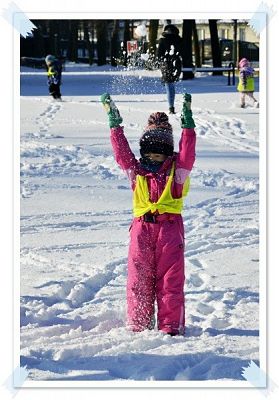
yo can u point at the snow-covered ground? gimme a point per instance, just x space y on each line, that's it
75 215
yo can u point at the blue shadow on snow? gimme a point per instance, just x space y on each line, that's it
117 84
140 367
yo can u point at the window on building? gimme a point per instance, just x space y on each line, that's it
223 33
242 34
201 34
80 34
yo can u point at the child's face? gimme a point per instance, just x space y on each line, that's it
156 157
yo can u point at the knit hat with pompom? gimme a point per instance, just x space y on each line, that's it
157 136
243 63
49 58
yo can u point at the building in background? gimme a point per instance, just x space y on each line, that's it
83 40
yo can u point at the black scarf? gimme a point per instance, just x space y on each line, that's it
150 165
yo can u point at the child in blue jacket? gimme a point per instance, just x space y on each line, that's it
54 74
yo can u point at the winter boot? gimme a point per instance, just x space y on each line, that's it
171 110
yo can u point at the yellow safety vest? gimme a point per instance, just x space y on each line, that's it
250 87
165 204
51 72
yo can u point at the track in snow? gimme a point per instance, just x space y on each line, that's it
73 258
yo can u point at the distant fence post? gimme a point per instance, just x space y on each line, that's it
231 69
202 52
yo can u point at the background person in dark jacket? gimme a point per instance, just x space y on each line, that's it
54 73
169 57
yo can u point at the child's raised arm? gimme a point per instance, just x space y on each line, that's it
186 156
122 151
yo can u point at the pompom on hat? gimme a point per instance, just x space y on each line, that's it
157 136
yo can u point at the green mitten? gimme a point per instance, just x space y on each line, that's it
186 113
115 118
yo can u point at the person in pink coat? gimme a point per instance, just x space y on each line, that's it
160 181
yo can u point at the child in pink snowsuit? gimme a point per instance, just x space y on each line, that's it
159 180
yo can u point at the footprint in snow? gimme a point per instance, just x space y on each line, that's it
193 331
215 296
205 309
219 323
197 263
195 280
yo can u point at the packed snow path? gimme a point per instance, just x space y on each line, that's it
75 216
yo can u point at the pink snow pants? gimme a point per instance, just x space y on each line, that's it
156 272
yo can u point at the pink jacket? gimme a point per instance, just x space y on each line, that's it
184 161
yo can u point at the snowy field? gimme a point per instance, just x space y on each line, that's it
75 216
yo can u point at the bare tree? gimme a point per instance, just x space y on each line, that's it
87 27
153 33
127 37
101 27
152 41
36 47
92 30
72 42
115 45
215 46
187 30
235 55
196 45
127 32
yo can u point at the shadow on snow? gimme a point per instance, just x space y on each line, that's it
95 85
140 367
